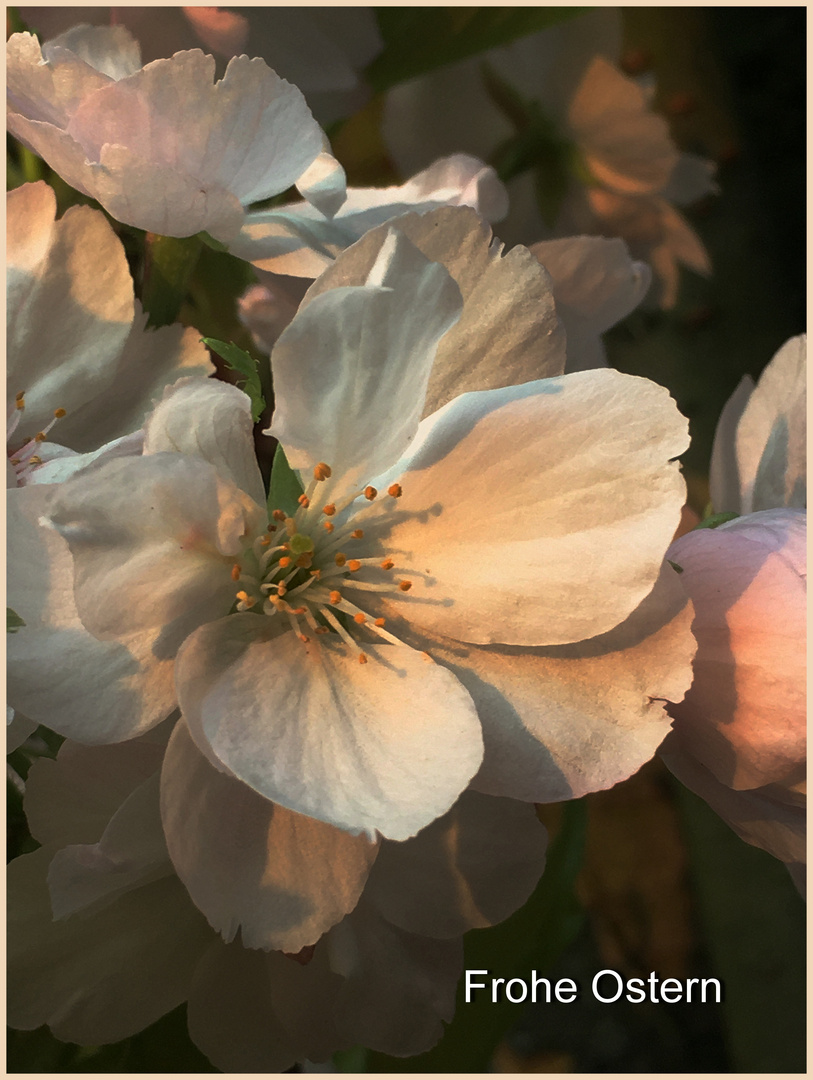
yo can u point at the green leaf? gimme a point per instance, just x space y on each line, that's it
421 39
239 360
13 621
714 520
169 264
285 487
532 939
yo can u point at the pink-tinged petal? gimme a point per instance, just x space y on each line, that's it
154 540
386 745
768 817
60 464
561 722
211 420
100 978
772 434
626 147
70 274
257 1012
724 471
351 370
58 673
41 92
130 853
745 715
539 514
399 986
595 284
473 867
71 800
508 331
279 878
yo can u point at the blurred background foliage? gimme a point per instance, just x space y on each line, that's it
643 877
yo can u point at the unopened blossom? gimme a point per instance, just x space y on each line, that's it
438 579
739 736
82 369
165 147
320 50
619 172
342 942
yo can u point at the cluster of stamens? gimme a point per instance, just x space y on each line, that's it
25 459
303 566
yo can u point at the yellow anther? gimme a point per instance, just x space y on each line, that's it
59 413
329 526
335 597
285 561
298 611
362 658
305 560
380 622
322 471
357 534
360 618
387 564
404 586
15 461
279 515
370 492
329 510
35 459
395 491
354 565
281 590
304 501
249 601
322 630
340 558
265 541
304 637
316 573
40 436
272 528
19 401
235 572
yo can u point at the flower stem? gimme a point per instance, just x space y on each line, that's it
170 261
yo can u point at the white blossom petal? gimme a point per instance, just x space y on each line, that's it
537 514
154 540
772 433
724 471
473 867
212 420
58 673
387 745
351 370
279 878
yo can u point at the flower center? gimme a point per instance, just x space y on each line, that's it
25 459
314 567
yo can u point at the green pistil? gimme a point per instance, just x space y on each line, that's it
300 544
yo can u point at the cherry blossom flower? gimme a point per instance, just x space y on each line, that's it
341 941
164 147
621 173
92 381
497 535
739 737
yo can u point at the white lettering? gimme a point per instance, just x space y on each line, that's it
618 982
472 986
636 993
537 981
565 987
495 990
509 984
671 986
717 993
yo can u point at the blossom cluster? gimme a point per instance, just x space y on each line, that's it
306 718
